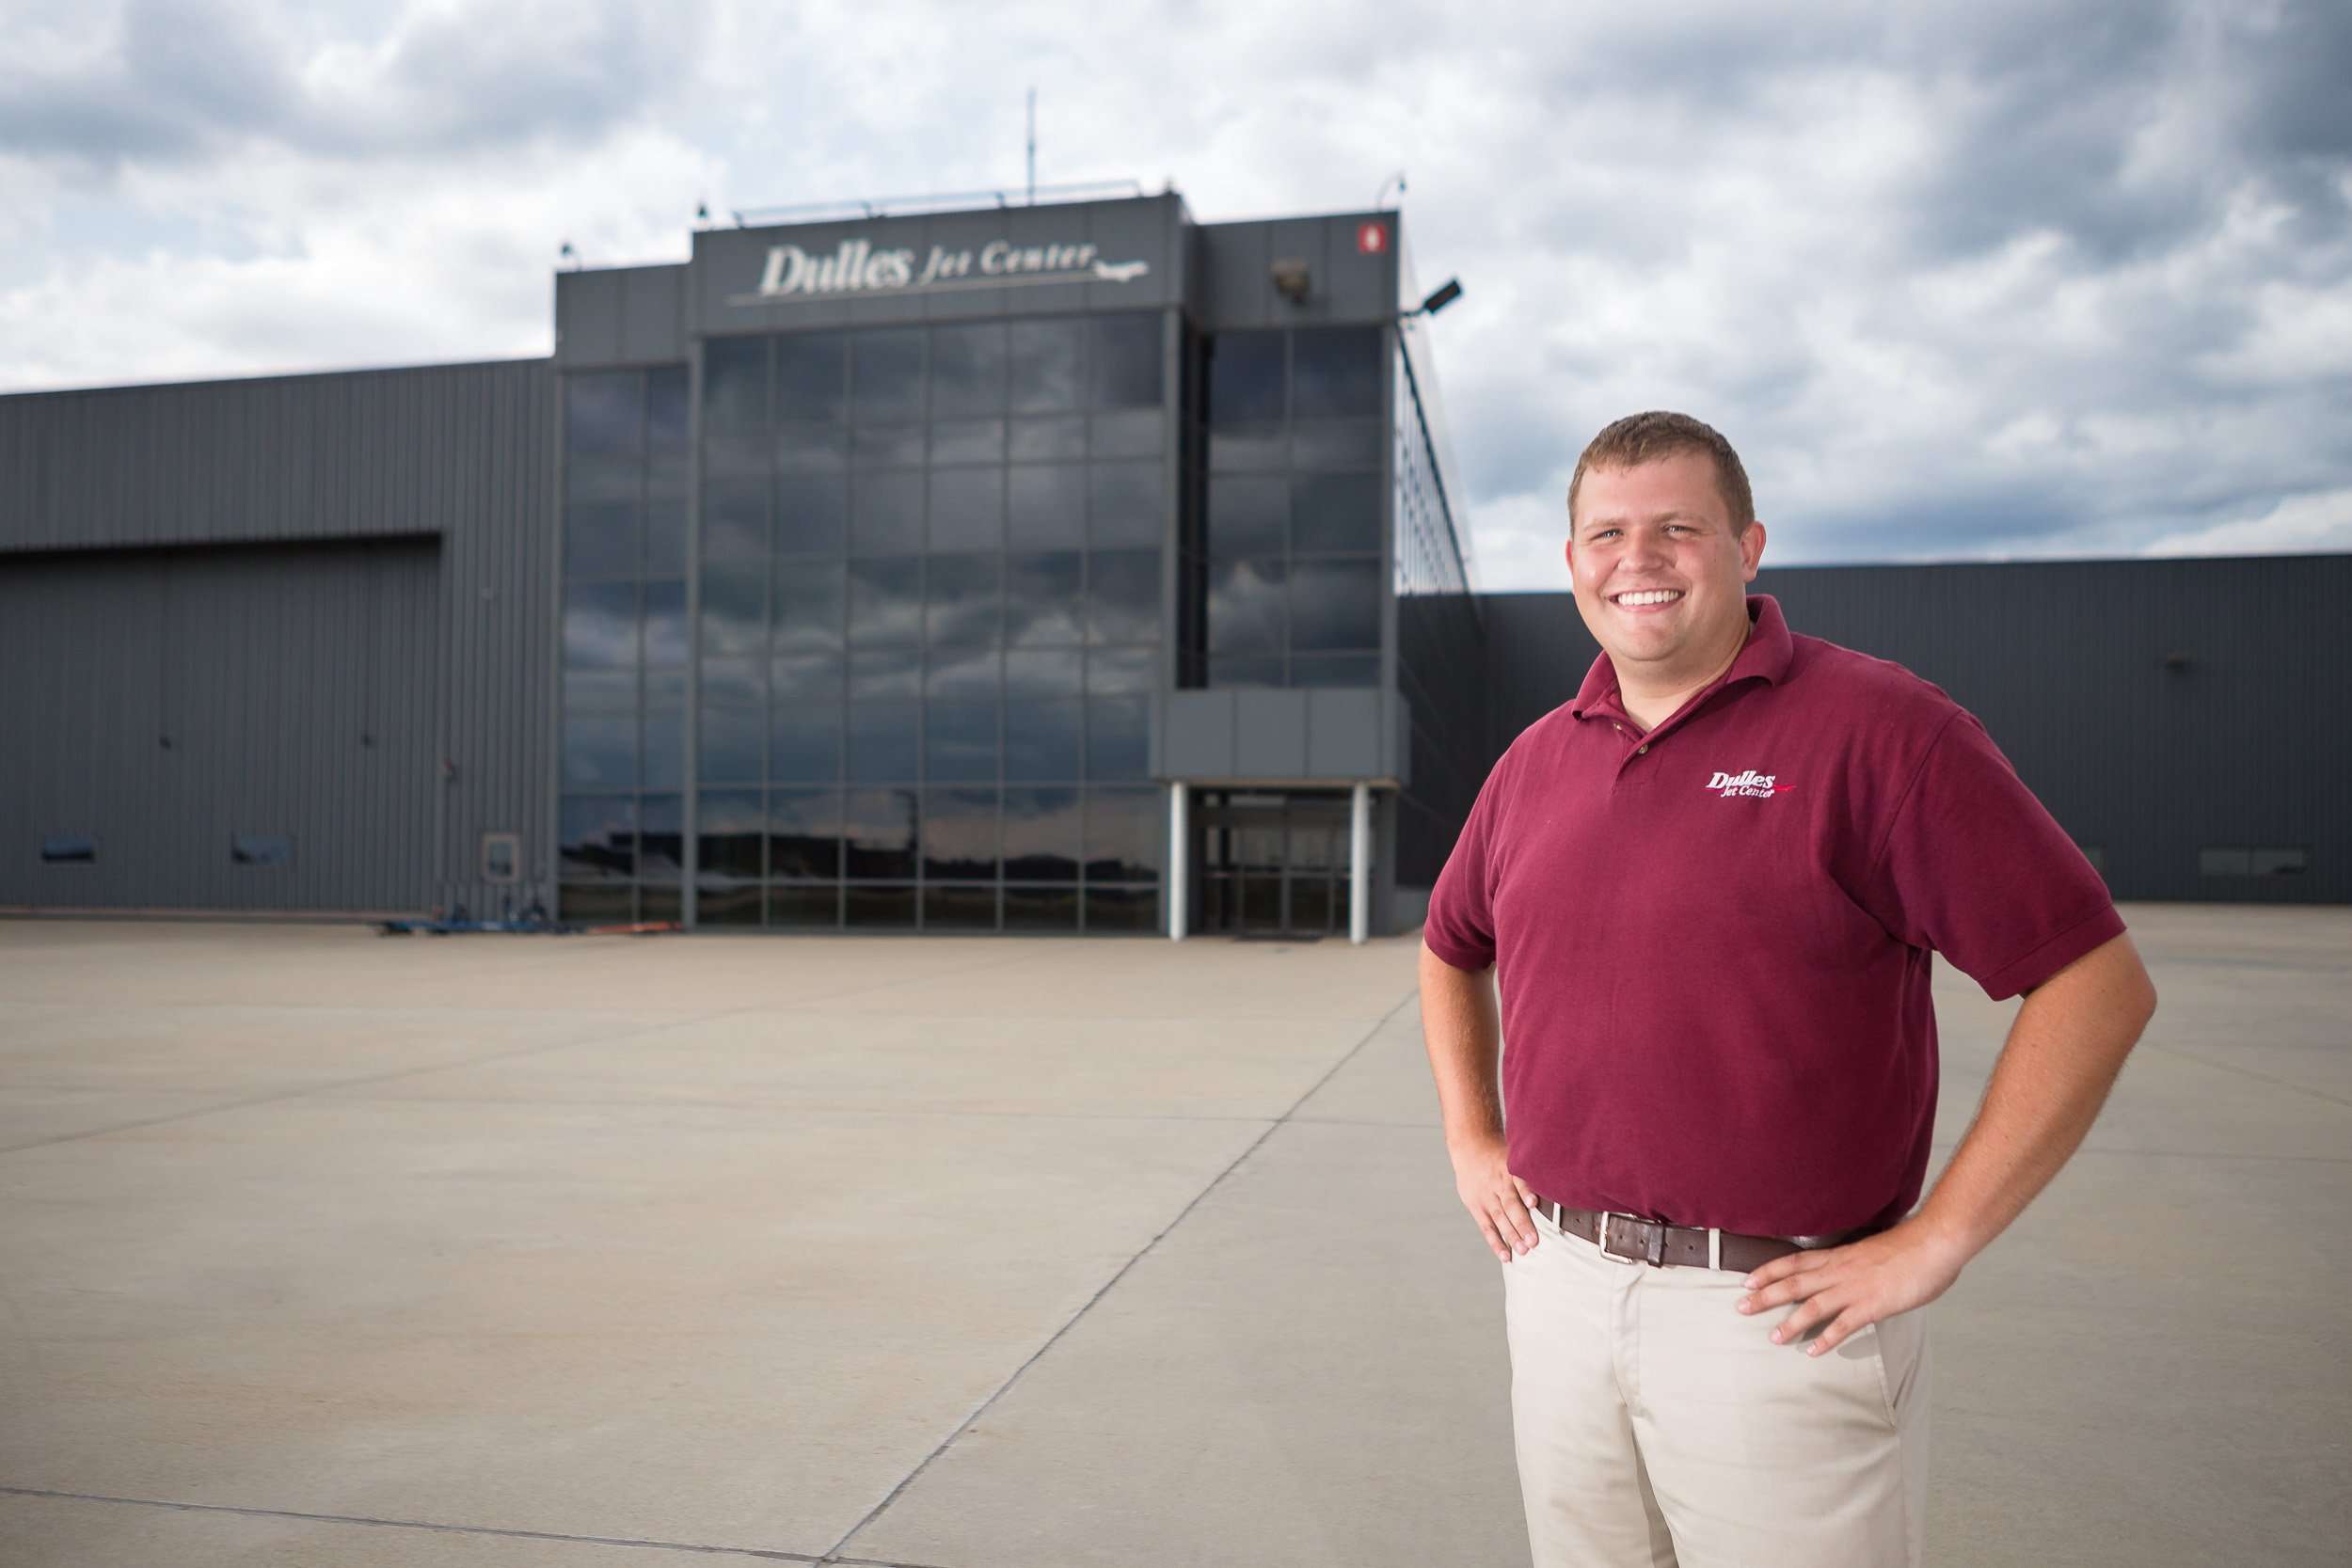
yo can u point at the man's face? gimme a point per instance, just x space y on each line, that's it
1660 578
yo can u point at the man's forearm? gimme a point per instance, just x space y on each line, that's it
2064 1049
1464 1041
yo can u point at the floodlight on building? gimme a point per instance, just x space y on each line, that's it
1293 279
1445 294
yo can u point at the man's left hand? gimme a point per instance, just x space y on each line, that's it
1859 1283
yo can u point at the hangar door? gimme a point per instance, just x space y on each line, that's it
218 728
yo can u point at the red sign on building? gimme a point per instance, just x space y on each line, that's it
1372 237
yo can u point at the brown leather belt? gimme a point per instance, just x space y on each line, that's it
1659 1245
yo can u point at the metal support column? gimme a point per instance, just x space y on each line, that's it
1179 862
1359 865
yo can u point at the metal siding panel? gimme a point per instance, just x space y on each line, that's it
1270 735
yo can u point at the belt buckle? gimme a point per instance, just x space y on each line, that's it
1601 1240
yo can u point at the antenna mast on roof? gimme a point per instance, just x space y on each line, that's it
1033 145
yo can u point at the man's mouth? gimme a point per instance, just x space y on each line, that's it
1646 596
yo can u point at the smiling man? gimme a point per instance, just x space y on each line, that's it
1710 887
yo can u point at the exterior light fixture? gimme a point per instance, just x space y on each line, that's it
1445 294
1291 279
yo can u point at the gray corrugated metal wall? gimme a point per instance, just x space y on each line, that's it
2158 708
463 454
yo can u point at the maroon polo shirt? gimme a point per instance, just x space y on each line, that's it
1713 939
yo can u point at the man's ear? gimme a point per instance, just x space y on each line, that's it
1751 550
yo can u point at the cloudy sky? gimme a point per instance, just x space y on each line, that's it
2006 277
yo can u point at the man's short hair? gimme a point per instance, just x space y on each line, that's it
1652 438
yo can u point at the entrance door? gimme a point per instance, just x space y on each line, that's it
1273 864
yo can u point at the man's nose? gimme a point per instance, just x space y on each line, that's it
1646 549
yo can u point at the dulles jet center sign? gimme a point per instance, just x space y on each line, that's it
856 268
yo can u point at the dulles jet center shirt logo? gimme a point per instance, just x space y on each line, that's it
1761 786
857 268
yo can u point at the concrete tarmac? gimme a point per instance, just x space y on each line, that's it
321 1248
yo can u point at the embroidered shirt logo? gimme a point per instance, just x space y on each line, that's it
1761 786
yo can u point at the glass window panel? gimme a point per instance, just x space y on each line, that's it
1335 513
1335 669
1118 737
1126 835
804 742
724 903
807 678
1351 444
1041 738
735 456
888 673
877 831
963 441
1119 672
887 602
1132 433
600 624
882 743
735 384
665 536
1335 604
1048 364
1122 909
812 449
735 609
802 906
1042 835
962 673
960 834
1248 517
1248 450
968 370
663 763
1310 904
599 751
592 904
886 514
1043 672
879 907
951 907
1247 610
887 446
604 411
1245 377
666 687
1335 373
812 376
886 374
1127 361
1046 440
731 828
1123 596
665 623
967 600
1124 503
735 680
1047 507
665 474
1041 597
586 688
668 414
735 519
968 508
1246 670
1041 909
812 514
811 598
660 839
603 479
665 901
598 836
960 742
803 833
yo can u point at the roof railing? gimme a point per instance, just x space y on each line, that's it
903 206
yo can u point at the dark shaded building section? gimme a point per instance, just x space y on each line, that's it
2184 720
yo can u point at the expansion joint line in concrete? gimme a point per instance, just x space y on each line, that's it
432 1526
832 1559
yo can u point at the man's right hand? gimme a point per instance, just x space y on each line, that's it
1497 1199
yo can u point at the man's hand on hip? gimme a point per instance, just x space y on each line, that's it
1859 1283
1497 1199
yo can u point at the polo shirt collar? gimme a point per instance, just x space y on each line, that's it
1764 657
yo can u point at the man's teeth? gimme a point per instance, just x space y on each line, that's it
1653 596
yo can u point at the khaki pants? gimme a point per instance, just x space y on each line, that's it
1658 1427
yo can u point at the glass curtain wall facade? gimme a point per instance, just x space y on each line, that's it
927 625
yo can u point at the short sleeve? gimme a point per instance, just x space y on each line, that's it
1975 868
1461 927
